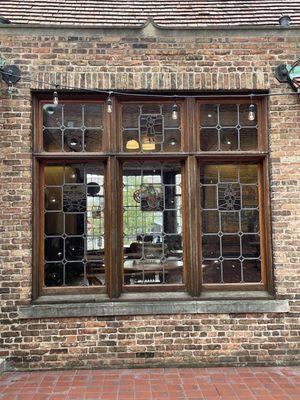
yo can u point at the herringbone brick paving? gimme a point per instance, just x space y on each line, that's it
270 383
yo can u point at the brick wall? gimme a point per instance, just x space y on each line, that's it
216 60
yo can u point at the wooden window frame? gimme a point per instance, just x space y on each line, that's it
190 156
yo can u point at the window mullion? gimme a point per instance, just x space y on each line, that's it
192 227
113 228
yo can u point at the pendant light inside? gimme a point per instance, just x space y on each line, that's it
132 144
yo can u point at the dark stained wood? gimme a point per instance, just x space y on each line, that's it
231 156
153 288
192 244
40 210
112 231
36 208
52 291
266 234
232 286
189 127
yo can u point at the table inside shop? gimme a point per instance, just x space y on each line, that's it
135 271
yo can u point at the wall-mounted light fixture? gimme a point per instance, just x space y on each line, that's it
286 73
10 74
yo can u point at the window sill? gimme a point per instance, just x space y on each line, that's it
157 303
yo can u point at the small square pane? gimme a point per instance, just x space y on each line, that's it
93 115
52 115
250 221
73 140
92 140
54 175
211 271
210 221
208 197
209 139
248 173
231 246
74 173
54 223
229 140
53 274
52 140
53 198
74 248
209 174
250 246
230 222
211 246
252 271
74 274
172 142
74 198
248 139
244 115
74 224
208 115
73 115
232 271
229 173
54 250
250 196
228 115
229 196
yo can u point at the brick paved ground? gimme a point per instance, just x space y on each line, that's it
154 384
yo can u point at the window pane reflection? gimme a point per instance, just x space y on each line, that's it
74 225
230 223
152 223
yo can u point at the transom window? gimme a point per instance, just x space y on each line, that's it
144 199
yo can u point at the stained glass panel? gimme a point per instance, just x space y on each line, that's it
230 223
150 128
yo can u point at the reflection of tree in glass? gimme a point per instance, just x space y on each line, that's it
137 222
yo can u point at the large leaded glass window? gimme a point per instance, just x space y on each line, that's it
150 195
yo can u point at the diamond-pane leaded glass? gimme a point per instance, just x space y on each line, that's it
74 225
149 128
230 223
72 127
152 223
226 127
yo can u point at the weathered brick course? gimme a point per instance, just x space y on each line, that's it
216 61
